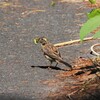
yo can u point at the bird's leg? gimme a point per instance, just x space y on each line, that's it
49 67
56 64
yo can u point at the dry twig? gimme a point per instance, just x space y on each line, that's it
72 42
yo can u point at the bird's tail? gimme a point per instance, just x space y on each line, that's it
65 63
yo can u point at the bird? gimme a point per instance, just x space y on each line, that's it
51 52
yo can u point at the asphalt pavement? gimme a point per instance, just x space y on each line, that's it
22 64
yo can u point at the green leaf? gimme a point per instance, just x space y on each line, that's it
94 13
53 3
92 1
89 26
97 35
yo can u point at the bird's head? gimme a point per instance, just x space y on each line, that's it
41 40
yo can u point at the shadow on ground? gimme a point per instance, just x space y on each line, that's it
50 67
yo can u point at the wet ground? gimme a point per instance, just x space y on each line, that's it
20 22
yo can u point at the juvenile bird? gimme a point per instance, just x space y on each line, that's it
51 52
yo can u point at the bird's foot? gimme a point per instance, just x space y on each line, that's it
69 69
49 68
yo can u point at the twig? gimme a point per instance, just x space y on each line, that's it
72 42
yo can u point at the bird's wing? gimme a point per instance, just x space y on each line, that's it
52 52
55 50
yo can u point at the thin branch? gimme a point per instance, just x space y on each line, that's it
72 42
